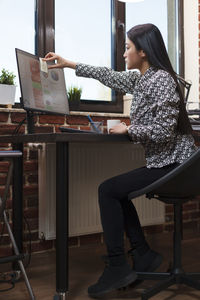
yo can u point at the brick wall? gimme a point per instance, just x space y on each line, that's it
9 120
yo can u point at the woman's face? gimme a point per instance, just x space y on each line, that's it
134 59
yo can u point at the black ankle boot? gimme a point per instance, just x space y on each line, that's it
147 262
117 274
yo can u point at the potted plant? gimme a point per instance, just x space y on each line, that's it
74 96
7 87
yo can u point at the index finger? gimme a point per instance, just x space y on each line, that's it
50 56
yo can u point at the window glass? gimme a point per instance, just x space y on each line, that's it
17 31
159 12
83 34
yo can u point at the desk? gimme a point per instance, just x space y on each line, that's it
62 141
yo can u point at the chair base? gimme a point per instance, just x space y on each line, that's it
177 276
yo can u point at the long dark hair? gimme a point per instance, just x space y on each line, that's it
147 37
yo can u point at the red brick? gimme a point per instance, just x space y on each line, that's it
9 129
5 251
186 216
169 227
32 178
194 215
99 119
73 241
5 146
5 240
5 231
190 225
2 189
30 190
30 166
41 246
31 213
43 129
90 239
51 119
169 209
77 120
4 117
33 154
153 229
33 236
4 166
32 201
9 204
33 223
2 179
18 117
190 206
85 128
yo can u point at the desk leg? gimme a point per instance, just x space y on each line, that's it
62 180
17 205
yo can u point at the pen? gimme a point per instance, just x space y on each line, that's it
93 125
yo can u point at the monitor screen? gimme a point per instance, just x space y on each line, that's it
41 91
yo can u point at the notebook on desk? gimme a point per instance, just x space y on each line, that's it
73 130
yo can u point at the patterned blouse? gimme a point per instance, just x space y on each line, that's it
154 112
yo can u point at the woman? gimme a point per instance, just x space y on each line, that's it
160 123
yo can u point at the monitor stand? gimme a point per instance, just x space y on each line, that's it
30 121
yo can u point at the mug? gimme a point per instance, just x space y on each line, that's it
112 123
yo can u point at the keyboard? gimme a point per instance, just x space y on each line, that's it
73 130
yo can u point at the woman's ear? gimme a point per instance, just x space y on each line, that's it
142 54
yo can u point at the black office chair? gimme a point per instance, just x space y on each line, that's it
177 187
187 85
11 155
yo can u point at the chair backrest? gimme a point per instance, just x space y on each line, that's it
186 85
181 182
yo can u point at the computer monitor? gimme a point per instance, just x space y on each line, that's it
41 92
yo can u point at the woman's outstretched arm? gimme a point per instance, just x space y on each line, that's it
60 61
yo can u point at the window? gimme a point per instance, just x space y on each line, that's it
164 14
86 35
83 33
18 31
97 16
77 29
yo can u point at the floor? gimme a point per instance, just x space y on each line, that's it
85 267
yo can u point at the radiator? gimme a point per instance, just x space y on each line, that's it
89 165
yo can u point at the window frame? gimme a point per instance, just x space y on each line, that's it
45 42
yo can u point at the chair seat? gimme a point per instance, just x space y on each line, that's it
181 182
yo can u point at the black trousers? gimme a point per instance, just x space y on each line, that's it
118 214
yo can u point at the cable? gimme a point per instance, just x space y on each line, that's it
2 231
16 130
30 243
4 280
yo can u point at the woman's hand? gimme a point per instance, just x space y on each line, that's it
119 129
60 61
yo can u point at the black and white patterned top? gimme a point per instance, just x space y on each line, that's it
154 112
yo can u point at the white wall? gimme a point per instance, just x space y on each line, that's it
191 47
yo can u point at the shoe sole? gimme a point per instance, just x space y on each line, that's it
118 285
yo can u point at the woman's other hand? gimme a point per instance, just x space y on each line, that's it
119 129
60 61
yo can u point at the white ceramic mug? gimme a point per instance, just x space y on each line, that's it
112 123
